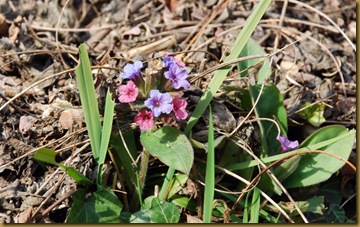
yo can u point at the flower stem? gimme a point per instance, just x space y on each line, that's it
143 168
164 188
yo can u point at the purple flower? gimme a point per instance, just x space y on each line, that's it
159 103
287 144
177 77
169 60
131 71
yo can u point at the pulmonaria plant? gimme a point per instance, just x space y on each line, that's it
155 96
286 144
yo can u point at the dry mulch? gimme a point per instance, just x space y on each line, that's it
39 41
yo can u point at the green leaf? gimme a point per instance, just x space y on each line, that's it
316 146
210 173
164 212
184 202
221 74
281 172
313 205
253 48
160 212
333 212
170 146
46 155
106 132
178 183
107 126
142 216
313 113
270 105
121 157
77 176
101 207
255 206
86 88
316 168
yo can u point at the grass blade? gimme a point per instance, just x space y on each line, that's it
221 74
210 173
88 100
246 209
107 126
106 132
255 206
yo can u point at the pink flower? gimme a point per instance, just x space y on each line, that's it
179 106
144 119
128 92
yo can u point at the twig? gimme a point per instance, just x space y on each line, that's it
39 217
326 17
48 197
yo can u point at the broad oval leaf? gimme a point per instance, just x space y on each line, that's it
281 172
170 146
270 105
253 48
101 207
160 212
316 168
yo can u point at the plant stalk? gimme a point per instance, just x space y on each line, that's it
143 168
164 188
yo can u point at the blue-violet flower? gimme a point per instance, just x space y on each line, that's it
169 60
159 102
287 144
177 76
131 71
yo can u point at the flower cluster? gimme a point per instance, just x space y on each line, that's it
160 93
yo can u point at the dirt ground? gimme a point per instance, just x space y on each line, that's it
38 53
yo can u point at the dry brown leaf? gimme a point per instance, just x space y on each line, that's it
156 46
3 26
190 189
30 200
24 216
171 4
70 117
26 122
192 219
14 29
133 31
